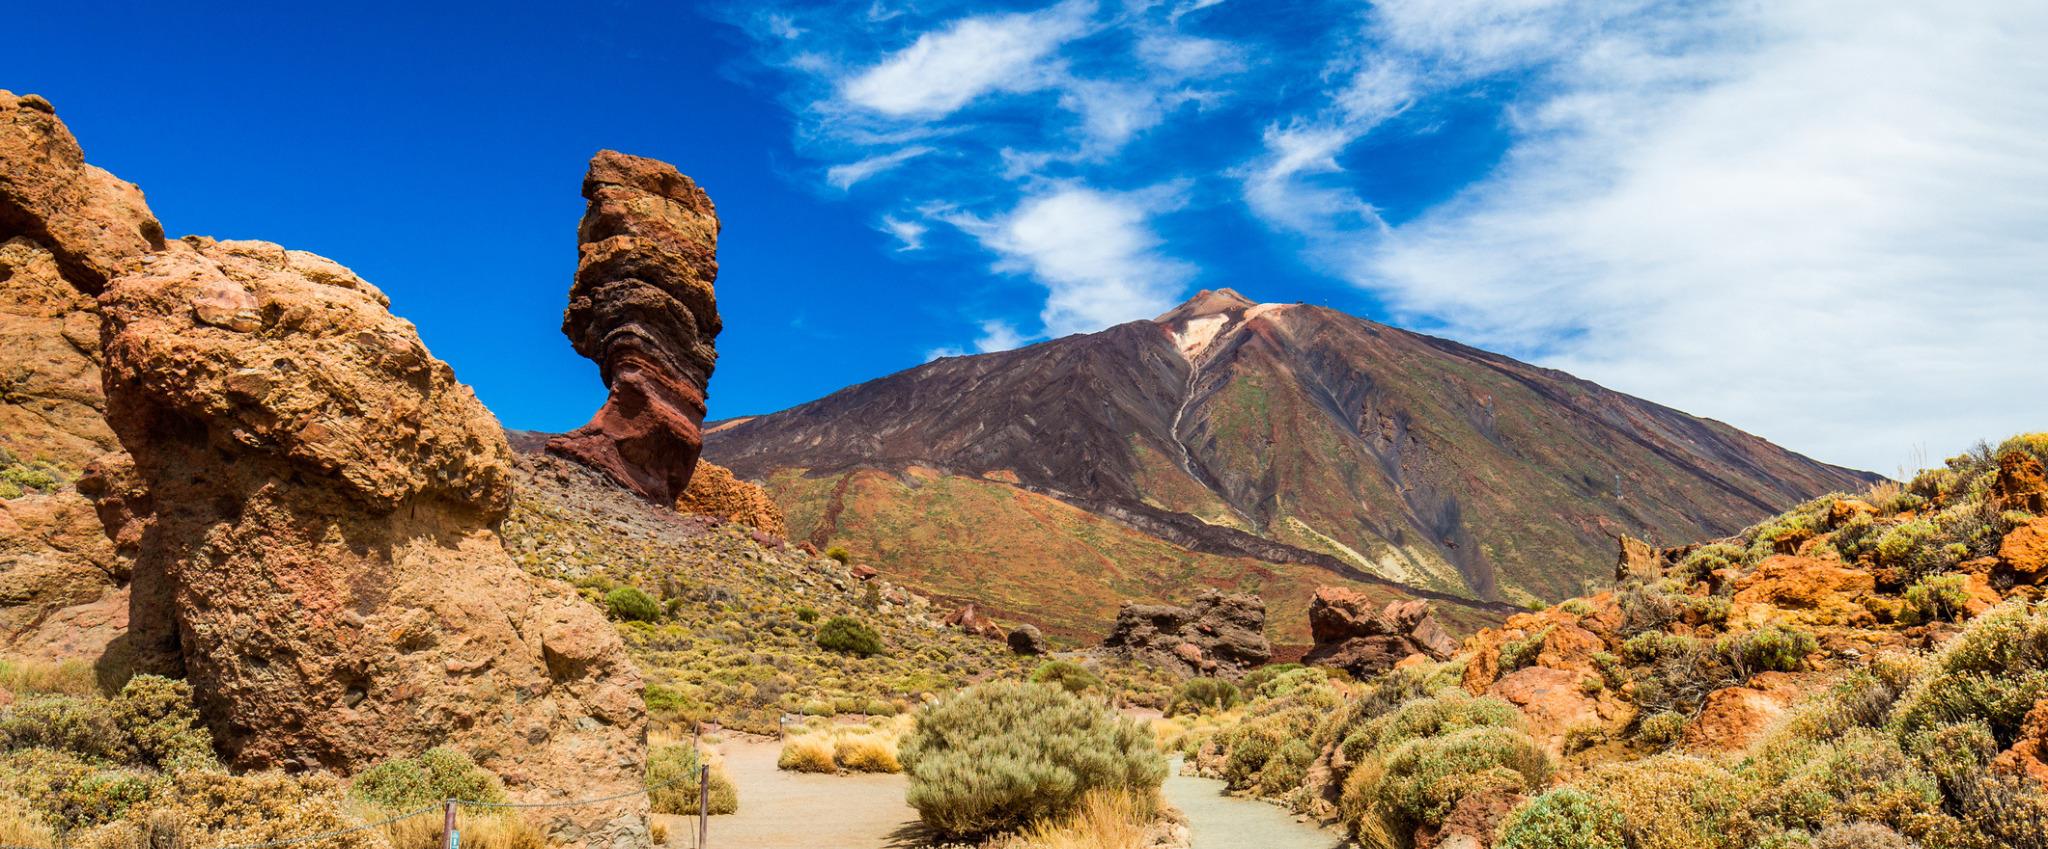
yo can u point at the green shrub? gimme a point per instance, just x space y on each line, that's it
1519 653
1660 729
847 635
806 614
839 553
631 604
437 774
1423 779
76 726
1937 598
1067 675
1565 818
1915 548
1774 649
1705 561
1445 713
1285 770
1203 695
996 756
673 770
162 726
1254 682
1249 747
1994 672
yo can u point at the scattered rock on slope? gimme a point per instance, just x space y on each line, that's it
1220 635
642 306
1350 636
326 499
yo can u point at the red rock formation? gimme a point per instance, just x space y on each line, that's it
970 619
1348 635
715 491
642 306
325 498
64 225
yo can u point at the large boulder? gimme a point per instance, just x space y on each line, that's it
1219 634
64 227
325 501
642 306
1350 635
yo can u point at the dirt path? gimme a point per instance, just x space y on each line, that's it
1219 821
788 810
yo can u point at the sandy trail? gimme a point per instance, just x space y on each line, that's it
1219 821
789 810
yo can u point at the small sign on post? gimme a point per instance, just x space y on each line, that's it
448 826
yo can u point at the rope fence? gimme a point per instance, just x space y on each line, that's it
449 808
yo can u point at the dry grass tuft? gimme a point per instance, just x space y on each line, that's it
809 753
1104 820
69 678
482 830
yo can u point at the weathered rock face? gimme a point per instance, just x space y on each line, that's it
970 619
325 499
1028 640
642 306
715 491
64 225
1350 636
1220 635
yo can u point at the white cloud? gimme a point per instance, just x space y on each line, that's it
998 335
1095 252
909 234
945 70
1825 223
844 176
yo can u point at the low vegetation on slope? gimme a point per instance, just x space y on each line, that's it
1867 671
733 628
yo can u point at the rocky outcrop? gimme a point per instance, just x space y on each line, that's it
642 306
970 619
2028 756
1350 636
1220 635
1805 590
715 491
64 226
325 499
1028 640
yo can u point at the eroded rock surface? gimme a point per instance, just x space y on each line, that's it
64 226
325 501
715 491
1351 636
1221 635
642 306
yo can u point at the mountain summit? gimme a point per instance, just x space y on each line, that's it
1265 446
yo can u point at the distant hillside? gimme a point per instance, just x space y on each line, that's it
1261 446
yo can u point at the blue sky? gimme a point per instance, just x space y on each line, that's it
1822 222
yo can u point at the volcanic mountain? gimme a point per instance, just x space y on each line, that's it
1270 447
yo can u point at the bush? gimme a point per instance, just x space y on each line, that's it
1519 653
1287 767
1937 598
162 726
1250 747
1254 682
996 756
1566 818
839 553
439 773
631 604
1774 649
847 635
865 753
1660 729
1423 779
1994 672
1067 675
1444 713
674 770
806 615
809 753
1203 695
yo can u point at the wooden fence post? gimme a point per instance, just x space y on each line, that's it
451 839
703 804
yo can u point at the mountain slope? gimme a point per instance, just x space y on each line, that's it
1287 434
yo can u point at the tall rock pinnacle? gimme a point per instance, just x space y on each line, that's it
642 306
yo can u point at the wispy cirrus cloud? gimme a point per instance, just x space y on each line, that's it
843 177
945 69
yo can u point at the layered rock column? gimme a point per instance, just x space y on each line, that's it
326 497
642 306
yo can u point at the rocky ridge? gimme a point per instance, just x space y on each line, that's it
1218 635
